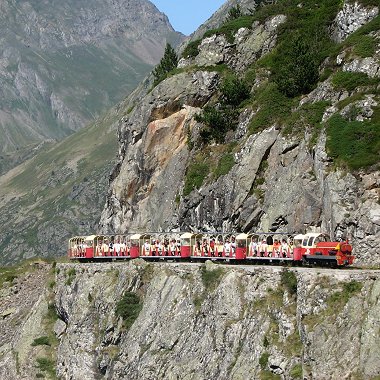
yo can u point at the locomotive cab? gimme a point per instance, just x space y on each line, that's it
318 248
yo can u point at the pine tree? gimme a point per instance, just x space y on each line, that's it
168 62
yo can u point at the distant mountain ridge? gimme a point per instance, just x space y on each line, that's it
64 63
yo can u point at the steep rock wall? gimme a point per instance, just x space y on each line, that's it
217 322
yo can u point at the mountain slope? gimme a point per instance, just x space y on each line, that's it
269 122
64 63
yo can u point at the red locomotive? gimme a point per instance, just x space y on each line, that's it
312 248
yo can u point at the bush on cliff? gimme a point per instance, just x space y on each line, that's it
128 308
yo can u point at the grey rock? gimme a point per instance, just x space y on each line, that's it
350 18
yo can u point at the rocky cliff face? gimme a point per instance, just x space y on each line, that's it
63 64
277 182
199 322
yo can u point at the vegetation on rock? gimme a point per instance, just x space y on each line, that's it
128 308
168 63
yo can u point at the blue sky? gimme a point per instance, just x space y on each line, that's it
186 15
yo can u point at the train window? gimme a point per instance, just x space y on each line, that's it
310 242
304 242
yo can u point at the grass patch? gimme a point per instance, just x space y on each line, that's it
289 281
195 176
268 375
229 28
263 360
346 80
225 164
128 308
308 115
211 278
71 273
340 298
46 365
41 341
273 108
296 371
352 143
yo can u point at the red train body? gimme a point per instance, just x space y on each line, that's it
312 248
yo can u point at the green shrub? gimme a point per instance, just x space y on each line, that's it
191 50
274 107
229 28
234 91
289 281
41 341
195 175
346 80
46 365
211 278
353 143
268 375
341 297
308 115
225 164
263 361
365 46
296 371
296 71
70 276
128 308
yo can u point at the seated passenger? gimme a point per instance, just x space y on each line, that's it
116 248
284 248
276 248
173 247
146 248
205 247
233 245
227 248
253 248
263 248
212 247
105 248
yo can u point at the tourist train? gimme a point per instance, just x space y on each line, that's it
257 248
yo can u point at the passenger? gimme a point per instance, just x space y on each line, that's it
110 248
263 248
116 248
205 248
212 247
219 248
233 245
99 248
198 248
105 248
166 247
227 248
154 248
284 248
84 248
159 248
146 248
253 248
270 245
173 247
277 248
178 247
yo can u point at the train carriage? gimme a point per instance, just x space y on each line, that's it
260 247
